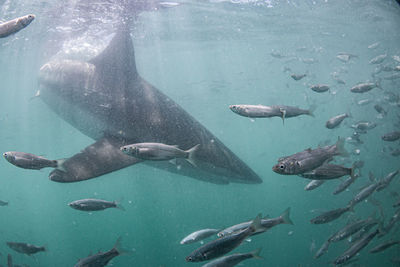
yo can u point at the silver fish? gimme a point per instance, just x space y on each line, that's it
158 151
309 159
101 259
29 161
383 246
320 88
224 244
3 203
336 121
363 87
91 204
298 77
234 259
391 137
364 102
351 229
364 194
266 224
313 184
345 184
345 57
327 172
25 248
392 222
12 26
198 235
384 182
380 110
378 59
374 45
364 125
323 249
331 215
355 248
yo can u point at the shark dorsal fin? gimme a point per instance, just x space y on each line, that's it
117 59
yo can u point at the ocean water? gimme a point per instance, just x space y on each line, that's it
205 55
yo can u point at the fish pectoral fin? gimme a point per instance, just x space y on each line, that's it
283 111
102 157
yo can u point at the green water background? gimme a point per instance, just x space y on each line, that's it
205 56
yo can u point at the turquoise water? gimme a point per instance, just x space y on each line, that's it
205 56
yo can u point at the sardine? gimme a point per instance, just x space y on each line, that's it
234 259
345 184
331 215
384 182
30 161
323 249
364 194
378 59
351 229
25 248
298 77
319 88
313 184
363 87
198 235
13 26
327 172
383 246
391 137
91 204
336 121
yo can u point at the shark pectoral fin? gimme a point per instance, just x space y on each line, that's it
102 157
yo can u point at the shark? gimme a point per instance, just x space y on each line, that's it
106 99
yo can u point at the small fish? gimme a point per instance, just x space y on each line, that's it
384 182
351 229
13 26
345 184
260 111
313 184
25 248
169 4
327 172
378 59
336 121
159 151
224 244
364 125
331 215
393 76
3 203
395 153
345 57
298 77
385 245
392 222
380 110
198 235
266 224
391 137
364 194
320 88
363 87
374 45
30 161
309 159
101 259
234 259
91 204
323 249
364 102
355 248
365 230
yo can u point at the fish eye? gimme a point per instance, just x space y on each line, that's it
189 259
281 166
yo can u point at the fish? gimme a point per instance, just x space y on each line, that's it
380 110
364 102
323 249
320 88
266 223
393 76
13 26
336 120
3 203
234 259
25 248
309 159
392 222
364 194
30 161
345 57
158 151
351 229
355 248
374 45
395 153
101 259
378 59
363 125
383 246
345 184
331 215
314 184
384 182
91 204
391 137
198 236
106 99
223 245
260 111
363 87
298 77
364 230
327 172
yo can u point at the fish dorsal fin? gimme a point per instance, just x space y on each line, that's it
116 62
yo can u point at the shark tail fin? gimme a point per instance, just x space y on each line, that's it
340 149
286 217
192 155
256 254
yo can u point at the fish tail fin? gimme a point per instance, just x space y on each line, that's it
256 254
311 110
286 217
350 206
118 247
256 223
192 155
283 111
340 149
119 206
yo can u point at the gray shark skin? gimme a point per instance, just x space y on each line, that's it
107 100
